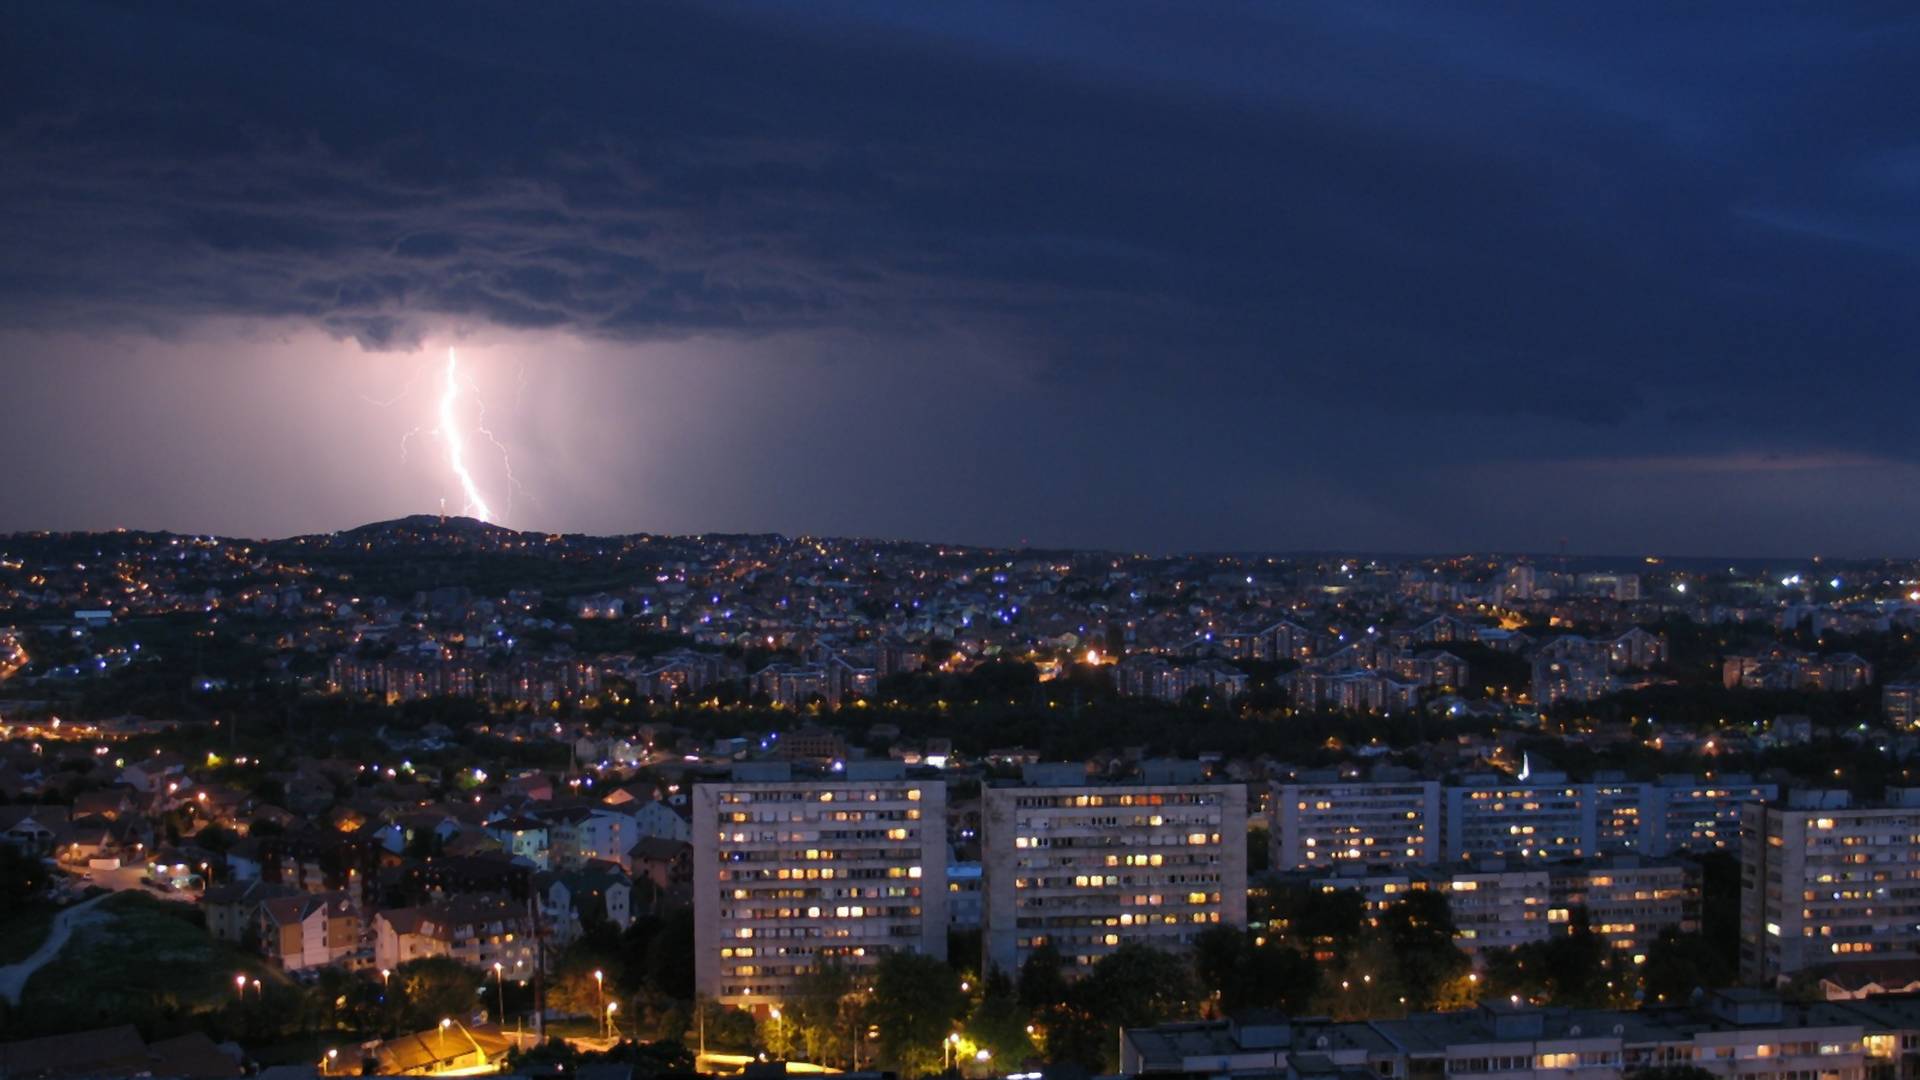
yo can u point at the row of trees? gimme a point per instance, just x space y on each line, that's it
1313 952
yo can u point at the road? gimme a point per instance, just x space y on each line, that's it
13 977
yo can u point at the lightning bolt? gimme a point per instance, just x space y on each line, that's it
456 442
480 428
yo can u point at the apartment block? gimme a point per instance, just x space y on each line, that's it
790 869
311 930
477 929
1322 822
1087 867
1495 905
1543 816
1700 815
1823 878
1629 901
1733 1034
1501 903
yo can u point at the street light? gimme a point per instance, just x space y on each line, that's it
779 1030
257 991
240 986
445 1023
500 981
612 1007
600 989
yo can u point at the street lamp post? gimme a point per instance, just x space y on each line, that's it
600 991
444 1024
500 983
240 987
612 1007
779 1030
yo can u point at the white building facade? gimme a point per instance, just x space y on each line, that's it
793 870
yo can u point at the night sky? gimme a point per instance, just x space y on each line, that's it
1234 276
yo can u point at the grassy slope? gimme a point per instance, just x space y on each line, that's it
147 964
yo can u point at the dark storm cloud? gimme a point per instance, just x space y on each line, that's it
1673 229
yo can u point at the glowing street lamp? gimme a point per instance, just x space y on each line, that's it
600 989
445 1023
612 1007
240 986
500 982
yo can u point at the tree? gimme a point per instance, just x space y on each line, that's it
23 880
821 1015
1316 918
1041 984
571 986
1576 969
1242 973
1419 929
999 1024
1678 964
434 988
1134 986
723 1029
916 1000
670 956
1366 982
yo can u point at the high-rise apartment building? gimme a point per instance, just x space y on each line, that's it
1323 822
1330 821
1688 813
1087 867
1541 816
1823 878
1500 903
793 869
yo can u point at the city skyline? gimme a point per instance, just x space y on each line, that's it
1304 278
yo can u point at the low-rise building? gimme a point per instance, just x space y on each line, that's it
312 930
478 931
1735 1034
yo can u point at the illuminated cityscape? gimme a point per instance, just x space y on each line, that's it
974 540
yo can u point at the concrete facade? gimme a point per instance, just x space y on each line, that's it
1090 867
789 869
